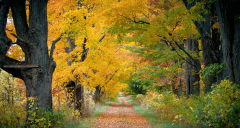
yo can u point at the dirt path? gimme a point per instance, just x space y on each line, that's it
121 117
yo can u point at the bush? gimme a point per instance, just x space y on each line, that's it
12 114
138 86
41 118
221 107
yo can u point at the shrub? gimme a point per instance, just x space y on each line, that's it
41 118
221 107
12 114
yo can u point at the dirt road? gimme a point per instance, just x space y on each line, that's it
119 116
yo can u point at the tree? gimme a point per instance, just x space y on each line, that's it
86 56
37 68
229 29
229 22
12 96
192 71
161 28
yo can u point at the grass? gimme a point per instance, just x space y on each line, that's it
87 122
98 111
153 119
130 101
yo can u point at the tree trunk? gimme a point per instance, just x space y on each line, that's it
216 38
38 81
174 81
78 91
5 42
228 15
192 72
180 83
96 96
208 45
208 52
33 41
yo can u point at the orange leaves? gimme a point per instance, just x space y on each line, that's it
14 51
106 64
121 117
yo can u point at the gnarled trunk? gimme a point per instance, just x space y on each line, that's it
37 69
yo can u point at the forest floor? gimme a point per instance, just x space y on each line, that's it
121 115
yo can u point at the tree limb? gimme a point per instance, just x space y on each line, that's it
111 77
137 22
185 59
10 30
101 38
141 22
199 66
53 46
13 71
19 38
182 50
18 9
85 50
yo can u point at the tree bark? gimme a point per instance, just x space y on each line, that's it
5 42
192 72
228 15
33 41
209 51
208 45
97 94
180 83
78 91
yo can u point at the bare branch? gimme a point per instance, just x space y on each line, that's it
19 38
101 38
53 46
199 66
9 61
10 30
185 59
85 50
111 77
141 22
137 22
20 66
181 48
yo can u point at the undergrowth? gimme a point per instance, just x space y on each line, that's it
153 118
89 121
65 118
219 108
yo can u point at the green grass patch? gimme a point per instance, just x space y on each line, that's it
131 100
100 110
87 122
153 119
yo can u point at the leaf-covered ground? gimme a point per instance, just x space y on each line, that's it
121 116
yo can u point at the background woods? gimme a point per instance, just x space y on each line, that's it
60 58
